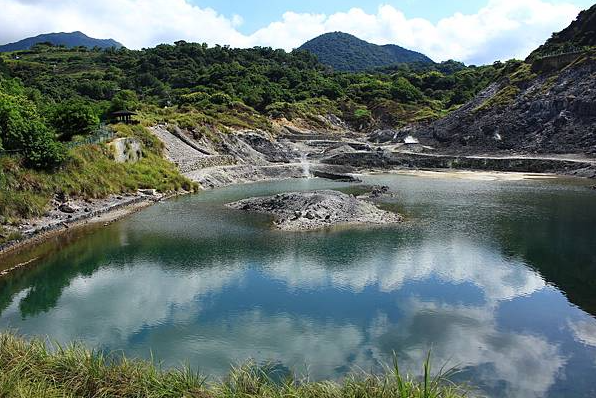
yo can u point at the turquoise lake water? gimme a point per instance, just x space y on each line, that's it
498 278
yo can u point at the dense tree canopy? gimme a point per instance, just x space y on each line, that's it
259 77
23 130
74 118
224 86
347 53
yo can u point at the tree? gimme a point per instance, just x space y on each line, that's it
23 130
362 116
16 116
74 118
404 91
41 149
125 100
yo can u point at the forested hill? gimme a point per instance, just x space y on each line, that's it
580 34
74 39
216 86
347 53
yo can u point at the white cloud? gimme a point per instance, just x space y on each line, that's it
144 301
584 331
498 277
137 23
133 296
500 30
523 365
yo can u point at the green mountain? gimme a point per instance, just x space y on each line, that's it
348 53
74 39
579 35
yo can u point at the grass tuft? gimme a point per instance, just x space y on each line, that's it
36 368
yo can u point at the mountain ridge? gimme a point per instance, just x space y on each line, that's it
68 39
347 53
581 33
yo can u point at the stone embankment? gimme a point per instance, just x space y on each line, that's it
304 211
394 160
251 156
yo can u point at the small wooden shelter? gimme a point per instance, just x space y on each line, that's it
124 117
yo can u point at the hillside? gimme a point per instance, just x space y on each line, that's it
546 104
74 39
245 88
581 33
344 52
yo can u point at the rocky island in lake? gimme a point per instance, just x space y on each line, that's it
304 211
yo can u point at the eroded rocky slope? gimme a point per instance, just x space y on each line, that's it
546 104
552 112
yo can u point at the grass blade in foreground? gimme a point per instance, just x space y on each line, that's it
33 368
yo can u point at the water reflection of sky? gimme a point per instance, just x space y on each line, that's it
223 293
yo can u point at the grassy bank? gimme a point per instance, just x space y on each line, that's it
32 368
89 172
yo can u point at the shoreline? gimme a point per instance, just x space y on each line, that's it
391 161
104 215
112 213
475 175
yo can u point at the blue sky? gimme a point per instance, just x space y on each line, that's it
471 31
259 13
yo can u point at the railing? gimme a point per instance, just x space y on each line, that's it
575 50
102 134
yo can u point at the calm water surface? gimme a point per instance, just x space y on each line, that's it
497 277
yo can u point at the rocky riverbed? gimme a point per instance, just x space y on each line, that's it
304 211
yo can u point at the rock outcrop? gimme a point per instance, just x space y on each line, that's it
546 104
552 112
303 211
126 150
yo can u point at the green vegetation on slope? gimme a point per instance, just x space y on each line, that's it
88 172
581 34
517 75
31 369
23 130
346 53
221 86
35 165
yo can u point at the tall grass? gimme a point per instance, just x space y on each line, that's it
90 172
35 368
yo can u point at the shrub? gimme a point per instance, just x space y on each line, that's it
74 118
221 99
22 129
362 115
403 90
41 150
125 100
197 98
